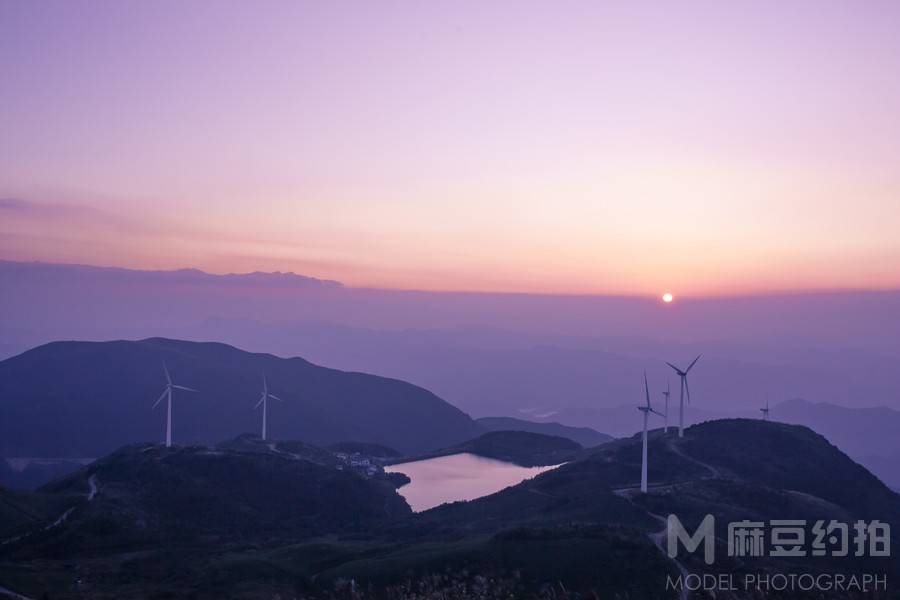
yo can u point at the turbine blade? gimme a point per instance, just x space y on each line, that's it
181 387
686 371
260 402
687 390
677 370
163 395
166 369
656 412
646 389
275 397
265 384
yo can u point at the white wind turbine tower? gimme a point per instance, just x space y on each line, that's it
765 411
684 387
667 393
264 400
167 393
646 410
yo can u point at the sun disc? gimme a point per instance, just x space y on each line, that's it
667 297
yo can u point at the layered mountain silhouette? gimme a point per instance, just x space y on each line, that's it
869 435
85 399
523 448
585 436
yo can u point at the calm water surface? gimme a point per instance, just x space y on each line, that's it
457 477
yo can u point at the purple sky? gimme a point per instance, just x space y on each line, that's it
702 147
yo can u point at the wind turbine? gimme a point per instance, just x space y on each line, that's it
667 393
167 393
765 411
646 410
264 400
684 387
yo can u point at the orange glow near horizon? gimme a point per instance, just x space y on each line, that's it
446 147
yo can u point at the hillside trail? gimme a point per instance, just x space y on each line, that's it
92 493
7 593
92 482
659 538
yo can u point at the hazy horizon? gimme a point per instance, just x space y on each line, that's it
486 353
779 292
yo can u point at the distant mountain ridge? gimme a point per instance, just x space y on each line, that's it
584 436
88 398
869 435
524 448
56 271
488 354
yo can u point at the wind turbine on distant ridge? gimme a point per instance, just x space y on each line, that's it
684 387
667 393
264 400
167 393
765 411
646 410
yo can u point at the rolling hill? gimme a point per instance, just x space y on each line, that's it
238 521
751 454
584 436
85 399
147 495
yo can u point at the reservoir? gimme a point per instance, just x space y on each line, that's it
457 477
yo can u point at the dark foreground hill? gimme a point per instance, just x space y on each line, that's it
22 512
581 531
584 436
83 399
792 462
149 495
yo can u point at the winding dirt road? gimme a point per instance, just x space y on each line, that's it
659 538
92 493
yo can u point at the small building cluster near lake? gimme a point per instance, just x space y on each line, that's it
369 466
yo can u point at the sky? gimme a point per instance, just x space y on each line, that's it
706 148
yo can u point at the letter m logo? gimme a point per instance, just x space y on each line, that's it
705 534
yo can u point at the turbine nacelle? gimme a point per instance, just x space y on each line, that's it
648 407
685 391
686 371
650 410
266 395
167 393
264 402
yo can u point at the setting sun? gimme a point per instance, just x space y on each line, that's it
667 297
